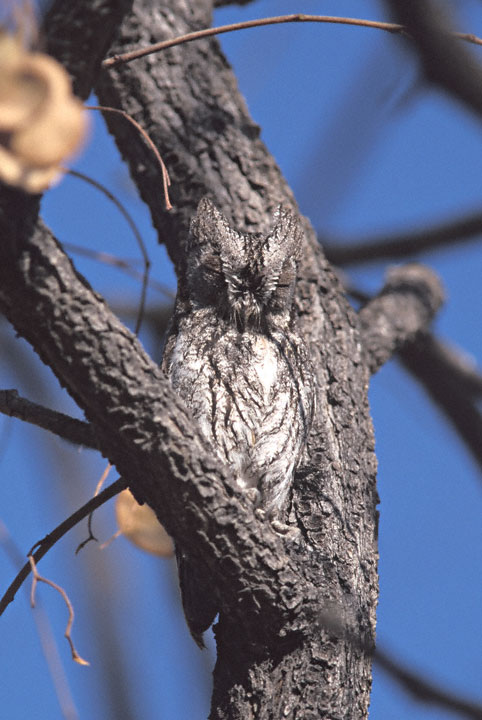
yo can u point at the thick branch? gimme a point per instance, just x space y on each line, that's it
451 381
453 386
66 427
78 35
445 61
141 424
401 245
406 306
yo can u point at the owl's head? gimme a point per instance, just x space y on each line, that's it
248 279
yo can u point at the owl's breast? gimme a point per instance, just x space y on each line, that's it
265 363
245 392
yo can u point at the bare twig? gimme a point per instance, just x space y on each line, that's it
91 535
165 175
49 540
68 630
261 22
124 264
110 540
403 244
66 427
47 639
137 235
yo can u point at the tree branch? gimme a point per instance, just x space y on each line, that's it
263 22
425 691
401 245
445 61
140 422
49 540
449 379
452 385
66 427
269 588
405 306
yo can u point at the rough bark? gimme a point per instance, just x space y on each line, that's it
409 300
278 653
188 101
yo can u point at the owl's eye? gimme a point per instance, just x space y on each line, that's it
244 282
212 263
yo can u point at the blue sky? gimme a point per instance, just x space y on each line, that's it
367 149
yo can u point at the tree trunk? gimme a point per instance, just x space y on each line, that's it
187 100
297 614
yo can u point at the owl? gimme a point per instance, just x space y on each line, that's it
235 357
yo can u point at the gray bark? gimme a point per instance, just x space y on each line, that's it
188 101
290 608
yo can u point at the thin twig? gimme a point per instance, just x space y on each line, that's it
261 22
66 427
137 235
68 630
110 540
49 540
46 635
121 263
165 175
91 535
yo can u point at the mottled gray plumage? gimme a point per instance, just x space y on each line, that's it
235 357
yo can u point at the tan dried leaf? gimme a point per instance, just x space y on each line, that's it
141 526
41 121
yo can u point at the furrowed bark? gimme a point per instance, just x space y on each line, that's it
187 100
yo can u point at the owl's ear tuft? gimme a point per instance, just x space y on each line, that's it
211 230
285 239
206 207
209 223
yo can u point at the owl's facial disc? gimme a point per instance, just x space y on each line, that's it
247 298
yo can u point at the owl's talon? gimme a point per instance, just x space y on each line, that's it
253 495
260 514
290 532
280 527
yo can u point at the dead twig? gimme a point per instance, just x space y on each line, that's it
394 28
49 540
68 630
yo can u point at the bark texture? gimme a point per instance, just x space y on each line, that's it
290 608
188 101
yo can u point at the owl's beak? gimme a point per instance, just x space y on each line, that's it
246 312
